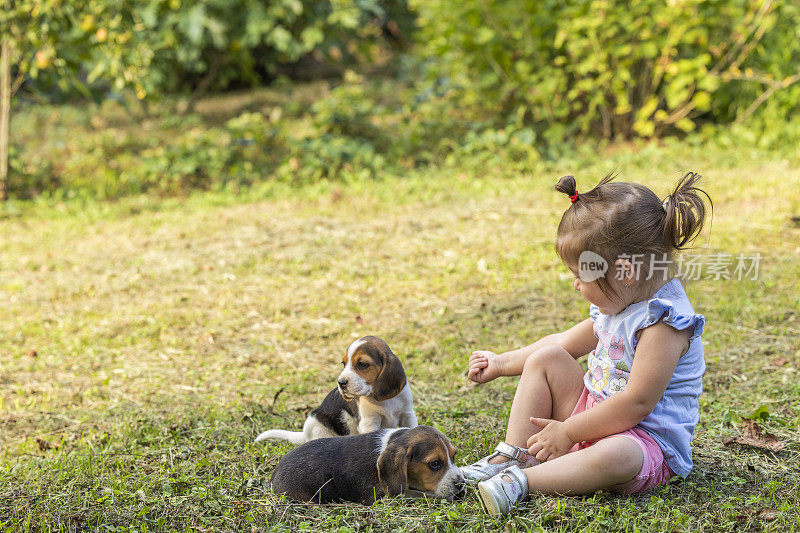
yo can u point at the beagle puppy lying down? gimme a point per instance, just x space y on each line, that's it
373 394
363 468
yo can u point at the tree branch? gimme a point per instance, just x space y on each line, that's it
766 94
738 47
17 83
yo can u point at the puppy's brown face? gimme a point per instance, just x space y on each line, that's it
431 456
422 459
370 368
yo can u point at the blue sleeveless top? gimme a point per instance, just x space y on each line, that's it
672 422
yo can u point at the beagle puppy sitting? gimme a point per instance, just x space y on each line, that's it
372 394
363 468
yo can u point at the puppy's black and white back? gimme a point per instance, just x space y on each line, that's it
363 468
333 418
372 393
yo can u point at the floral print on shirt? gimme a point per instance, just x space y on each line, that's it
606 368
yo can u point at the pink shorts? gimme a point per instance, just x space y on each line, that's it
655 470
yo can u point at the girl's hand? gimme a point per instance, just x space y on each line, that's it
483 366
551 442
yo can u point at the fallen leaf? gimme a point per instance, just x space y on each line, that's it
753 435
43 444
32 353
780 361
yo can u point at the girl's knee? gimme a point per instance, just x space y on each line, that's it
544 357
623 453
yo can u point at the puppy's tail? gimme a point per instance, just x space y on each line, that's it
295 437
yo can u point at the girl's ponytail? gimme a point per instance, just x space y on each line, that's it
567 185
685 212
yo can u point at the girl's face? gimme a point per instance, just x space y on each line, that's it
591 291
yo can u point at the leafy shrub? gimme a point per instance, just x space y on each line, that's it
351 110
160 47
331 157
407 129
492 84
610 68
248 149
61 48
29 176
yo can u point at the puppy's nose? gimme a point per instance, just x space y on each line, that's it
343 383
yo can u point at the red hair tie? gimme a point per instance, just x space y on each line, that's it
573 197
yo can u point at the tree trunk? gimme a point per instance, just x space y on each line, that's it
5 111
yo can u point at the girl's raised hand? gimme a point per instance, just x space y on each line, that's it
483 366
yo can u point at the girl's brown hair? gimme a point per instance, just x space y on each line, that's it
628 220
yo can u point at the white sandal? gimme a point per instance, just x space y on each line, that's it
483 469
501 493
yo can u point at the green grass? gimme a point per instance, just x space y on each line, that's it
168 333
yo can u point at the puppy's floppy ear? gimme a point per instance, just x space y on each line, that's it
393 468
392 377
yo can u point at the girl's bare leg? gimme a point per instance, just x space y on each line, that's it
551 383
611 461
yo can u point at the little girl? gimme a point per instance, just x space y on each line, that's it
626 424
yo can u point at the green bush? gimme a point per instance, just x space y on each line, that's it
610 68
246 150
28 177
489 83
61 48
163 47
360 130
331 157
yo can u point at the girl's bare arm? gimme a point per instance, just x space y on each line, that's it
577 340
